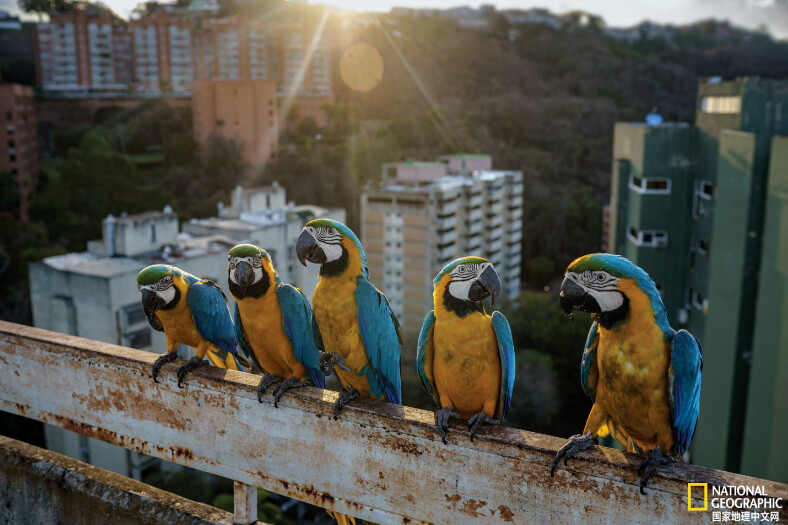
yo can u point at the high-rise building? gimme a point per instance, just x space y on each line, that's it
426 214
163 52
698 207
241 110
18 148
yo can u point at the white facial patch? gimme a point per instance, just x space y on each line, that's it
329 240
165 291
602 286
463 276
255 262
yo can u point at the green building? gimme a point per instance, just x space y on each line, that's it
703 209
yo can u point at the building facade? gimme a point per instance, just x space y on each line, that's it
241 110
697 207
18 149
427 214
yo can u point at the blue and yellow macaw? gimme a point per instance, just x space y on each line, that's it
273 322
201 321
465 357
643 377
353 322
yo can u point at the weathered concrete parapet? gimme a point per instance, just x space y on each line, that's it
39 486
380 462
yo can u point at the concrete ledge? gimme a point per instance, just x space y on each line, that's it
380 462
38 486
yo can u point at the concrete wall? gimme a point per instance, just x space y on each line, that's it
39 486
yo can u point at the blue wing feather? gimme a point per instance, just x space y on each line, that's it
686 364
297 324
208 305
424 346
382 338
503 332
589 360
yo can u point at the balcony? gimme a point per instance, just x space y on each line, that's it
379 462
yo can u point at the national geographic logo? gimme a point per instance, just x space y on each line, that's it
734 503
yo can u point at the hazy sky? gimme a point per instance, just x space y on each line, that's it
620 13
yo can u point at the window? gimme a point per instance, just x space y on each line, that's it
139 339
721 105
134 313
705 189
659 186
697 300
655 238
700 245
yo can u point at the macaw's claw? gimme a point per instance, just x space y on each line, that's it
653 461
575 444
442 418
345 395
476 421
289 384
191 364
166 358
265 383
327 360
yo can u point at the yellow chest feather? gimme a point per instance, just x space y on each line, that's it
261 318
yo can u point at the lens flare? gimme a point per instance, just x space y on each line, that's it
361 67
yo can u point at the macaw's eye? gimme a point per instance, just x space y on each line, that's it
600 277
257 262
232 262
462 268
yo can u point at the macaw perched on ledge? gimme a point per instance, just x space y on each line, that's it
643 377
273 322
192 312
465 357
352 320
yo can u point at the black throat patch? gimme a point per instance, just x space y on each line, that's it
336 268
175 300
257 290
459 307
612 319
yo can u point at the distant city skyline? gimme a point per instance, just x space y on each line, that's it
745 13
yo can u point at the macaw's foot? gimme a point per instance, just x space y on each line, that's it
191 364
345 395
476 421
265 383
166 358
327 360
575 444
442 418
653 461
289 384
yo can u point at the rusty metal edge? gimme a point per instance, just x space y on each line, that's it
599 462
108 487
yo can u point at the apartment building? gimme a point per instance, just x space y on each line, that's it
701 208
241 110
18 148
426 214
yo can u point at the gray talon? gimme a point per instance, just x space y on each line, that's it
476 421
442 418
166 358
191 364
345 395
265 384
327 360
575 444
654 459
289 384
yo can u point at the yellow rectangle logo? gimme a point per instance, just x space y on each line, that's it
705 496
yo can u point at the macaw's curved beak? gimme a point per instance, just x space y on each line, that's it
307 249
486 285
574 296
244 275
151 301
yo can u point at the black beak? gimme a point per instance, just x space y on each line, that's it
308 250
574 296
151 301
486 285
244 275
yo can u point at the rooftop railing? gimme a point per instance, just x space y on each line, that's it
379 462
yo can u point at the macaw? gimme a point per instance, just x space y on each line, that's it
273 322
353 322
465 357
201 321
643 376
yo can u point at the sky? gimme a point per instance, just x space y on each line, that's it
618 13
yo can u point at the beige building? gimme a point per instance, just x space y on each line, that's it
427 214
241 110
